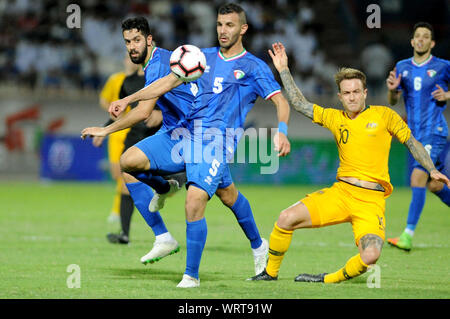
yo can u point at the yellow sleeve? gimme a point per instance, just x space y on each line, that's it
396 125
324 116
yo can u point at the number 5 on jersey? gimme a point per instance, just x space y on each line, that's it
218 85
214 167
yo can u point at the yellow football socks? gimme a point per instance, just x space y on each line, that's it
354 267
280 239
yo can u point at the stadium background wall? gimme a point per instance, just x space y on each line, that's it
313 159
51 73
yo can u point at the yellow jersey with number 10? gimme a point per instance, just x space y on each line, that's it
364 142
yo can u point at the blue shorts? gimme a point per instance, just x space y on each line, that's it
437 147
163 152
167 154
205 164
227 180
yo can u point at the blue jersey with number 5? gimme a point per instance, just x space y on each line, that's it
229 88
424 113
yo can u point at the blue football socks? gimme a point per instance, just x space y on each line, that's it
196 233
244 216
444 195
416 207
142 194
159 184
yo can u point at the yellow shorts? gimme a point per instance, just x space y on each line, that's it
343 202
116 145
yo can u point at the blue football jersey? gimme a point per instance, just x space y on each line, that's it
175 104
424 113
229 88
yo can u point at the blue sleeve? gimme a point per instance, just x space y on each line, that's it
151 75
159 67
264 81
397 72
447 73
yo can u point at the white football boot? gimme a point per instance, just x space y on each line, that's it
188 282
260 256
160 250
158 200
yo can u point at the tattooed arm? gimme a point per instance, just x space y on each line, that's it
421 155
294 95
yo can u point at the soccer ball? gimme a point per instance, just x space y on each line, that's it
187 62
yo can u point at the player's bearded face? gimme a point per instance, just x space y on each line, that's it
138 55
137 45
228 29
352 95
422 41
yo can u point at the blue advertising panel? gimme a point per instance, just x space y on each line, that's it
71 158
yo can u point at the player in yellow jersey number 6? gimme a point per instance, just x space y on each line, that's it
363 135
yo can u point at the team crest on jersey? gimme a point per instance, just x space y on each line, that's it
238 74
371 126
431 73
405 73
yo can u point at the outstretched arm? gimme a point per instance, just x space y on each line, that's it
421 155
294 95
152 91
141 112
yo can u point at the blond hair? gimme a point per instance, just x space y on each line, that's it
348 74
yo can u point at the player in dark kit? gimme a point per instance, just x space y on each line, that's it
139 131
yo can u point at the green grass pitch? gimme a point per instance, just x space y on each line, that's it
47 227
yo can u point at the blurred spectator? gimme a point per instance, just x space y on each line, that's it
37 49
376 62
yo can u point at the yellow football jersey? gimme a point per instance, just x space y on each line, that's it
364 142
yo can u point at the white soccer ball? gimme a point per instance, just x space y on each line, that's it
187 62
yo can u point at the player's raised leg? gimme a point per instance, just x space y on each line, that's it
241 209
135 162
165 244
440 190
295 217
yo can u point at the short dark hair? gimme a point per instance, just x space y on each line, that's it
233 8
424 25
139 23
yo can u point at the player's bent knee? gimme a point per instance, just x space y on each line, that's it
227 195
294 217
435 187
370 248
370 255
134 160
